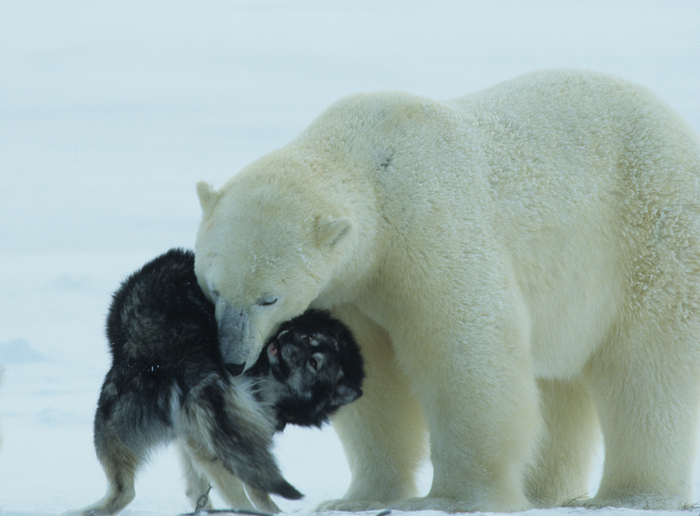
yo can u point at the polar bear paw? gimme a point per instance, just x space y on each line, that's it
432 504
642 502
350 505
450 505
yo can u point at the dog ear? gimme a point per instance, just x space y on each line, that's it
345 394
208 197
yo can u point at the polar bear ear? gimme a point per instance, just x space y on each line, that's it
207 197
331 231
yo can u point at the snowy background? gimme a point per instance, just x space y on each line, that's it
111 111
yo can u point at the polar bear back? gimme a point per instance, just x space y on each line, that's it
586 185
559 134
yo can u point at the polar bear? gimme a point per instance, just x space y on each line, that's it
521 267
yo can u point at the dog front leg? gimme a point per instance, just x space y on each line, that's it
197 485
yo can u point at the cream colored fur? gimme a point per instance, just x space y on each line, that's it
521 267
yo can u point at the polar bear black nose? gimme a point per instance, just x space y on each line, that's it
235 369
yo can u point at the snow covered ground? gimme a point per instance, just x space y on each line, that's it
111 110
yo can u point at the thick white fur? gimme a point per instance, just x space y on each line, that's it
521 266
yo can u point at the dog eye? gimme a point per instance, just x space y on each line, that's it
313 363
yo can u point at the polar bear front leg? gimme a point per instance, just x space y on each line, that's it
481 404
383 433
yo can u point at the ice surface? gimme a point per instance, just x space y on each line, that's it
111 111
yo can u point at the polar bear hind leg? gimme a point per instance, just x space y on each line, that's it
647 403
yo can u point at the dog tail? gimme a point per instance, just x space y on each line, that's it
286 490
223 421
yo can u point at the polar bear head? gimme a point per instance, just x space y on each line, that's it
264 252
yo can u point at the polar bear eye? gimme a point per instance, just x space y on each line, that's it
213 291
267 301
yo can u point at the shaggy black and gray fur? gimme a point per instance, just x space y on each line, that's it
168 382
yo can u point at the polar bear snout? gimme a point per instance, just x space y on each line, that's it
234 333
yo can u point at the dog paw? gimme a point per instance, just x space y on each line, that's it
87 511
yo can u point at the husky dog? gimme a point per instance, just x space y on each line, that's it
168 382
310 368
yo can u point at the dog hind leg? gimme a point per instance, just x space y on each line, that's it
128 424
119 463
